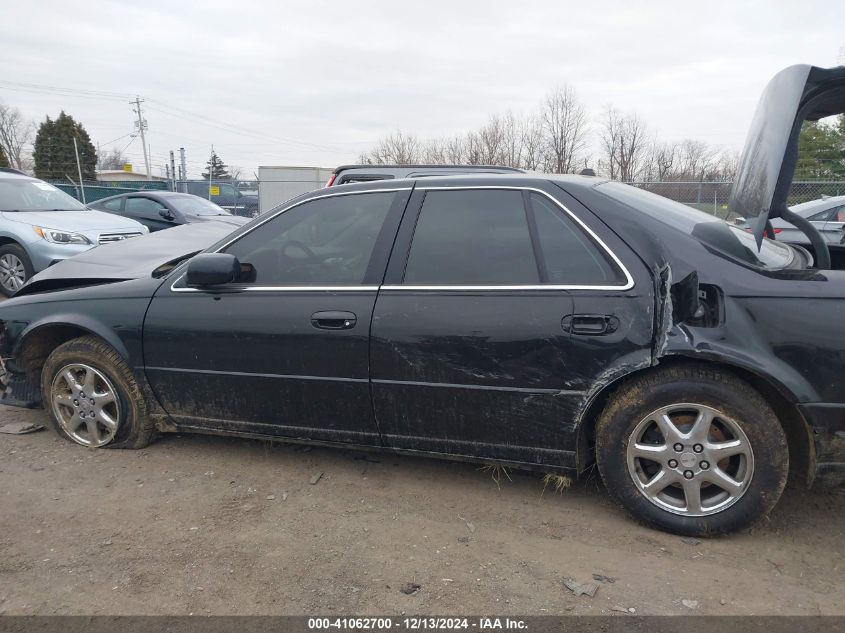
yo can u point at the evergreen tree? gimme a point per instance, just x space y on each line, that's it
821 151
4 162
216 168
54 154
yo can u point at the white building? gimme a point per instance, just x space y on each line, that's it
277 184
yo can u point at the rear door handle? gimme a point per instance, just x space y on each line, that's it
590 324
334 320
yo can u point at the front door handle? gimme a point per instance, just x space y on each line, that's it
334 320
590 324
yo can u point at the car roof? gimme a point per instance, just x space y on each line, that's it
157 193
812 206
508 179
14 174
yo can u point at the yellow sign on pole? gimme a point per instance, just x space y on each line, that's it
127 167
213 190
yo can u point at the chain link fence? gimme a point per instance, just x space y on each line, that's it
712 197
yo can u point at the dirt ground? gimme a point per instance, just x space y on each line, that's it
203 525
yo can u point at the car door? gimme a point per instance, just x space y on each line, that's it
285 351
473 348
148 212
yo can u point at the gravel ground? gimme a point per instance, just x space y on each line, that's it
201 525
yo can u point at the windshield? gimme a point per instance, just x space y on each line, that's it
194 205
19 194
708 229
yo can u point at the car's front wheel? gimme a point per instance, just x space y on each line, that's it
93 398
15 268
692 450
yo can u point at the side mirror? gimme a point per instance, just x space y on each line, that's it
212 269
166 214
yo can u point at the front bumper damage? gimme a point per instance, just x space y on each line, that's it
16 389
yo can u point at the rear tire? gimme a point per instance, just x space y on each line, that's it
15 268
92 397
692 450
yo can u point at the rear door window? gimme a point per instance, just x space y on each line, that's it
471 237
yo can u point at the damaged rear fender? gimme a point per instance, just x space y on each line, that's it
782 400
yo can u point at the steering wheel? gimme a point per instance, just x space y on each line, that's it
311 255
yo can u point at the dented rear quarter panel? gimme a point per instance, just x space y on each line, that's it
785 327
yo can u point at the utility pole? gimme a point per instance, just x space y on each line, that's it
210 171
79 169
142 126
184 166
172 171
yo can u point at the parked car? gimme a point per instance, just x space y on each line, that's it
346 174
41 225
544 322
827 214
165 209
224 194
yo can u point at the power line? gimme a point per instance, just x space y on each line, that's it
40 88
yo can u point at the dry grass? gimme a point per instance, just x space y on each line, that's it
558 483
496 472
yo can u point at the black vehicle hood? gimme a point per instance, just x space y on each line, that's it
767 166
130 259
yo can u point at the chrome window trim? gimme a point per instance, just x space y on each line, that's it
629 280
236 289
529 287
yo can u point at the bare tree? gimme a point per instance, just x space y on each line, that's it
112 159
491 140
533 144
565 128
663 161
697 160
454 150
512 149
16 133
624 142
397 148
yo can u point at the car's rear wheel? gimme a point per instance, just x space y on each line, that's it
93 398
15 268
692 450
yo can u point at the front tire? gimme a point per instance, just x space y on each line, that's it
93 398
15 268
692 450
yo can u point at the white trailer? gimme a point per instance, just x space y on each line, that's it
277 184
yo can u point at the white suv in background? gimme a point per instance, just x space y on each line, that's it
41 225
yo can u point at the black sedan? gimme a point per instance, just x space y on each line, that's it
542 322
159 210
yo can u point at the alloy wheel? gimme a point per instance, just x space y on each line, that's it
85 404
12 272
690 459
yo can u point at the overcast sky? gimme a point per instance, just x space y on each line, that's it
317 83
